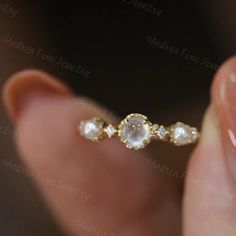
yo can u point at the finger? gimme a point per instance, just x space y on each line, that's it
210 206
90 187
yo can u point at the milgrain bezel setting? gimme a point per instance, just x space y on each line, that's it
147 126
136 132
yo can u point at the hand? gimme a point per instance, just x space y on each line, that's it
104 189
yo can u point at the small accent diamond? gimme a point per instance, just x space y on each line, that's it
110 131
161 133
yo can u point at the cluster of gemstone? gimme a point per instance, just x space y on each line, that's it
136 131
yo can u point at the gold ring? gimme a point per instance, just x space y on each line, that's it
136 131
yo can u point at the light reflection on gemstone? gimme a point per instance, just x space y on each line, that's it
181 134
91 129
110 131
135 131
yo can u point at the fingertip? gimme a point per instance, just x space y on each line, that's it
207 182
224 73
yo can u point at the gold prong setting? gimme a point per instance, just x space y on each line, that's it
161 133
110 130
92 129
136 131
182 134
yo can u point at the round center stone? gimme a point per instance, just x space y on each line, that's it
135 131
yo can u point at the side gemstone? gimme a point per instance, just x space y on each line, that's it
135 131
92 129
182 134
110 131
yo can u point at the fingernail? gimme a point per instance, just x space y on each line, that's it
224 100
20 88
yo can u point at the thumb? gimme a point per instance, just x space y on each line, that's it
209 204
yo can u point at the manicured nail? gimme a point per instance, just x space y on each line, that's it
224 100
22 86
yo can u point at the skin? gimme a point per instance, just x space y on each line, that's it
115 191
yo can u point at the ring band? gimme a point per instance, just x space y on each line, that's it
136 131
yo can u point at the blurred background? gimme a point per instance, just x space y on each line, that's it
152 57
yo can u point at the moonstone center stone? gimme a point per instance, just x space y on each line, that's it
135 131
